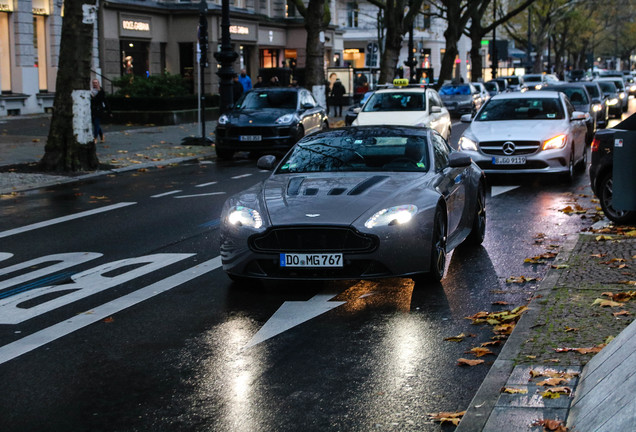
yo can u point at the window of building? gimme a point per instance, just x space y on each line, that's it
352 14
423 19
290 9
39 47
5 54
269 58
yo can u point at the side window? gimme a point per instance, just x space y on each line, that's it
441 151
311 100
432 100
569 107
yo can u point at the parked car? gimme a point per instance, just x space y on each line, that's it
630 84
268 119
577 75
483 92
623 95
581 100
502 83
613 101
601 170
406 106
539 80
529 132
460 98
356 203
352 112
515 82
492 87
599 103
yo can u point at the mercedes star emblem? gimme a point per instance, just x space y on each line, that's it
509 148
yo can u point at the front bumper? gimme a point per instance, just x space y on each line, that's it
539 162
230 137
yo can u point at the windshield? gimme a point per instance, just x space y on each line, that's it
593 90
513 80
521 109
533 78
490 86
576 95
452 90
359 152
257 100
396 101
607 86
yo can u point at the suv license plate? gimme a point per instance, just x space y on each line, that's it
509 160
310 260
250 138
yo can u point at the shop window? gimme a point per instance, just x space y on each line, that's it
39 47
269 58
5 54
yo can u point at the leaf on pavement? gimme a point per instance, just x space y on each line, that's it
621 313
590 350
556 392
512 390
520 279
505 329
480 351
500 303
560 266
447 417
109 320
552 373
598 255
551 425
577 209
607 303
491 343
569 329
468 362
603 238
460 337
553 382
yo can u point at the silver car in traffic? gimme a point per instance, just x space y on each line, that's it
530 132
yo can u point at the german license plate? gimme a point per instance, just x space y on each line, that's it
509 160
310 260
250 138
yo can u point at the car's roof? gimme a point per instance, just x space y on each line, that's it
528 95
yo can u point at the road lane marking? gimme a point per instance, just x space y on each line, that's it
206 184
166 194
64 219
240 176
56 331
201 195
498 190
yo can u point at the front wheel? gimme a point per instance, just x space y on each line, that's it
437 263
606 193
478 231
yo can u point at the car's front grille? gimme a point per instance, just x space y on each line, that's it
496 148
313 239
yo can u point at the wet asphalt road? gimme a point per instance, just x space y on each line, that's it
167 343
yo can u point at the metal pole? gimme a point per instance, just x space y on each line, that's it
203 62
226 58
494 40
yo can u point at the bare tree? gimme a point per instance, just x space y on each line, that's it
316 16
70 146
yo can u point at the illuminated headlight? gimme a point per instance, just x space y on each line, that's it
558 142
538 87
224 119
633 88
466 143
597 107
612 101
621 95
398 215
287 118
244 216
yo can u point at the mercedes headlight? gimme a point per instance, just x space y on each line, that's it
597 107
244 216
612 101
397 215
466 143
558 142
224 119
286 119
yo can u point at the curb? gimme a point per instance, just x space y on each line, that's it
483 403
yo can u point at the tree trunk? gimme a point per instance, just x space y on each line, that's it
476 65
394 16
315 63
63 151
448 61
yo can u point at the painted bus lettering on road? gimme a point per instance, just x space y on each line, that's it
14 311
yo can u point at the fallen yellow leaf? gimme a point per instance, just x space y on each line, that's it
468 362
512 390
480 351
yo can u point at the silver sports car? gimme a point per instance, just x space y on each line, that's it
356 203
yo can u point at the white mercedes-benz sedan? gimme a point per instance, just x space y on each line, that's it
531 132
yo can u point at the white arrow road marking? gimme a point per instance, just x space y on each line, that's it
201 195
166 194
63 219
49 334
498 190
293 313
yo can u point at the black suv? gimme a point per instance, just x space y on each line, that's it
601 170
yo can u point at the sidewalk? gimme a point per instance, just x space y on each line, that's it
595 390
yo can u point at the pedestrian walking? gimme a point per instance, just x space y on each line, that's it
237 88
99 108
338 91
245 80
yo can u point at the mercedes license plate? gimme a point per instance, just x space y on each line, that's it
509 160
310 260
250 138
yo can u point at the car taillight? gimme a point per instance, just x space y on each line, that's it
595 144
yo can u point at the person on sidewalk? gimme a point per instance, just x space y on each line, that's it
245 80
237 88
259 82
98 109
337 93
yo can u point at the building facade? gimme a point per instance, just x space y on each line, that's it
150 37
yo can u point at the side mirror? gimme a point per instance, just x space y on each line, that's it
436 110
459 159
578 115
466 118
357 110
267 162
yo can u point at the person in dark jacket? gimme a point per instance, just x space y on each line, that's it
259 82
237 88
338 91
98 109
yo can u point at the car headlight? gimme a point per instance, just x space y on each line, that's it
287 118
466 143
558 142
244 216
397 215
597 107
621 95
612 101
224 119
633 88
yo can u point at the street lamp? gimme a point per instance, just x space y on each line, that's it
225 58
